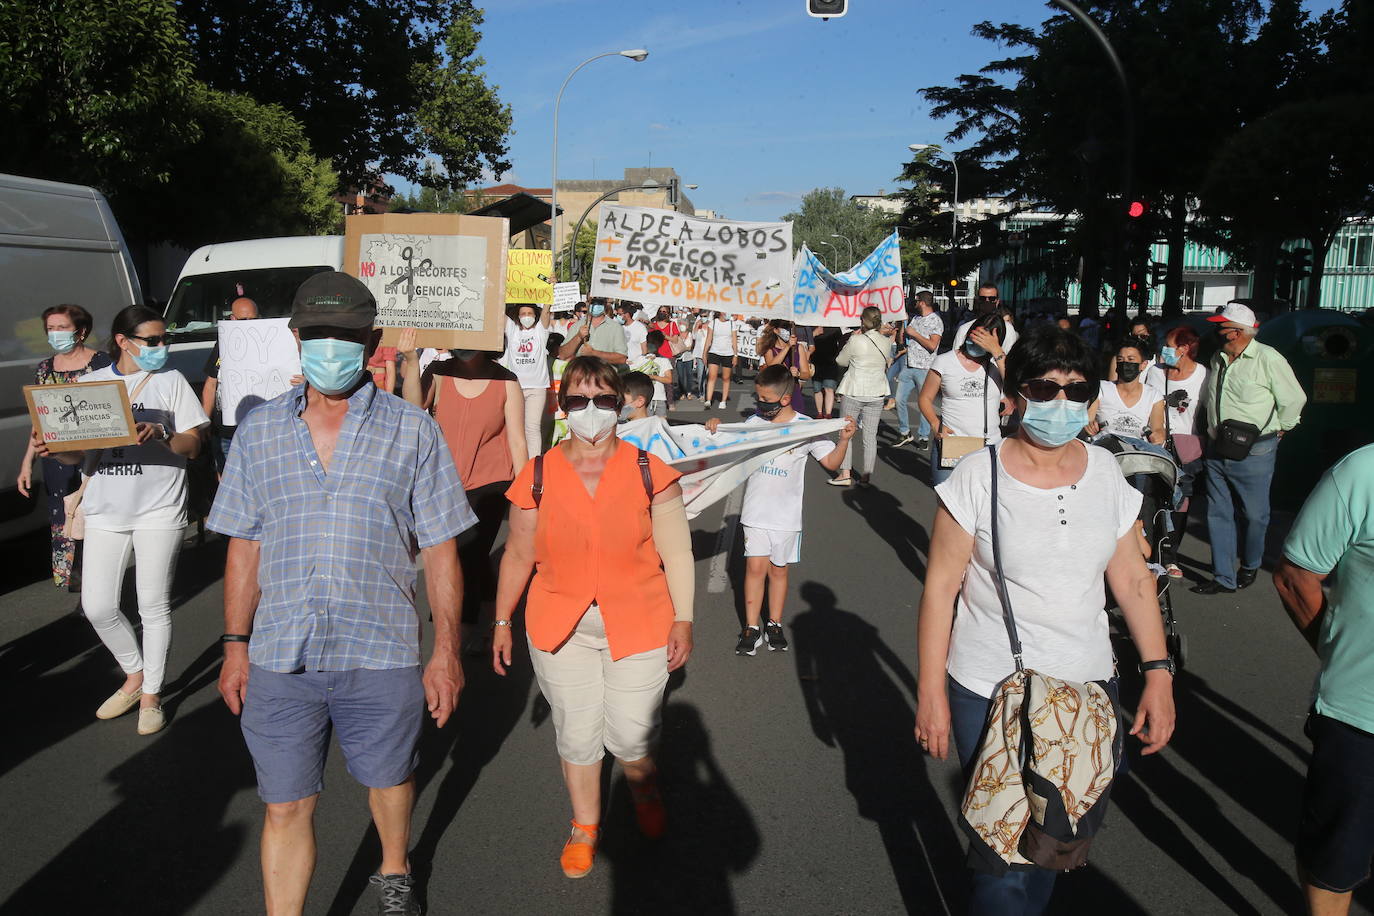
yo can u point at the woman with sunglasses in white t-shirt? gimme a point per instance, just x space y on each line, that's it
135 501
1067 521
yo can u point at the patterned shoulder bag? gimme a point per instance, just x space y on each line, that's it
1037 793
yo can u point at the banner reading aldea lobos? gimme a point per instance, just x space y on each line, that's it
440 273
660 257
824 299
529 276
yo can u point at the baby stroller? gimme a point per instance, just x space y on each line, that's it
1151 470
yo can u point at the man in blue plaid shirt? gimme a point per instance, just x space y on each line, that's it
330 492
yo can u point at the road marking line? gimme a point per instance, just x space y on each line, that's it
719 576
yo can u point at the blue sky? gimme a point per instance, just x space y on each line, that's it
750 99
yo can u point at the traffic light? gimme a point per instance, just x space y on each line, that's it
1137 209
1301 260
1158 270
826 9
674 192
957 286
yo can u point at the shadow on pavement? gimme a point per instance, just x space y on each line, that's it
883 513
489 708
861 698
711 833
1235 763
31 664
165 844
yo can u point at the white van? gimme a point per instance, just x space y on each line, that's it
268 271
59 244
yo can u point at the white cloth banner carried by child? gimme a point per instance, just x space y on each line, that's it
713 464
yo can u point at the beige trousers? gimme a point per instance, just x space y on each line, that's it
536 402
599 704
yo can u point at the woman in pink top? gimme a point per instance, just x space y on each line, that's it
481 412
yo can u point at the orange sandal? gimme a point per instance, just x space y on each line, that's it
649 811
577 858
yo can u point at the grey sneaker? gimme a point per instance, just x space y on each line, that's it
772 633
396 895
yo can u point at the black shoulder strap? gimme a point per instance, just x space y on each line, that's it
537 487
648 478
1001 582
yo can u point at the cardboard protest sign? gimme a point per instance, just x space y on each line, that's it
82 415
441 273
824 299
529 273
565 296
256 362
659 257
713 464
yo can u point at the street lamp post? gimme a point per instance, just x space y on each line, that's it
831 244
635 54
836 235
577 229
953 210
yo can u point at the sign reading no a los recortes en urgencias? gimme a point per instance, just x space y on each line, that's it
82 415
659 257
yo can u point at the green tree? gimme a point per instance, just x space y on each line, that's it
96 92
430 199
827 212
252 174
379 86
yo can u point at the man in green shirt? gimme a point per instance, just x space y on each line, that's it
600 337
1250 383
1334 532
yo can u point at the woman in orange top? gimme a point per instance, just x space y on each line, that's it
609 612
481 412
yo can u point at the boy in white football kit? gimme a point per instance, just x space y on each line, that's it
772 514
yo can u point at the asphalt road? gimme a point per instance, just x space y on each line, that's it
792 781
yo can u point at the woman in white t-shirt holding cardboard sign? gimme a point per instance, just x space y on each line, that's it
1128 408
968 380
135 500
1066 519
527 355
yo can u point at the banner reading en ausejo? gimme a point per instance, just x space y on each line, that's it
660 257
824 299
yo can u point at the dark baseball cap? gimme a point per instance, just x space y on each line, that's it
333 299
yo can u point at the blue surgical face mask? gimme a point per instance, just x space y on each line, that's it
62 341
151 359
973 351
1168 356
1054 423
598 310
331 366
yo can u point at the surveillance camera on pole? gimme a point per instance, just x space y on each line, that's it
826 9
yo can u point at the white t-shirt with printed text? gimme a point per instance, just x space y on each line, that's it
1055 547
143 487
1113 416
527 354
966 407
774 493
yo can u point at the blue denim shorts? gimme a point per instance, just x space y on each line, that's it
287 719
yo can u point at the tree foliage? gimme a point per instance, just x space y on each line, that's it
380 85
1043 127
828 212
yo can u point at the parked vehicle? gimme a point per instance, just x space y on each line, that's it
59 244
268 271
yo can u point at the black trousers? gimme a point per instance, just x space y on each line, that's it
474 547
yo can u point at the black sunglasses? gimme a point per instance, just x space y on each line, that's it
154 341
987 298
580 402
1044 389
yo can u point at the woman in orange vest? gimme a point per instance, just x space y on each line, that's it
602 527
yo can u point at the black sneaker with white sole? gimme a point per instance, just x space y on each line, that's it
777 640
749 641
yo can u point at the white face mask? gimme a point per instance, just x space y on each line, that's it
591 423
527 321
784 335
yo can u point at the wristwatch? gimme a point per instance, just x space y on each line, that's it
1166 663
